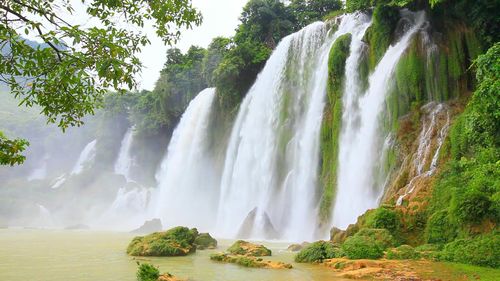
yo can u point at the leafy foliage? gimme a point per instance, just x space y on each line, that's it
403 252
383 218
70 72
10 150
318 251
147 272
483 250
368 244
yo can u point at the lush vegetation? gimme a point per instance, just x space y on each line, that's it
147 272
368 243
319 251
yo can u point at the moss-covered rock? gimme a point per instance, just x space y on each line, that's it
368 244
332 120
319 251
244 248
248 261
178 241
205 241
297 247
403 252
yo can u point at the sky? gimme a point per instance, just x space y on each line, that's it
220 18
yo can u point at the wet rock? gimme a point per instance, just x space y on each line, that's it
297 247
257 222
337 235
244 248
150 226
205 241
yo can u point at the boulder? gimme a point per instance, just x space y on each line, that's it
205 241
337 235
257 222
178 241
297 247
150 226
244 248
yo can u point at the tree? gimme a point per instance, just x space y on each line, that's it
68 75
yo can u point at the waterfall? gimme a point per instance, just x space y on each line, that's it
40 172
271 166
45 217
360 138
435 125
86 156
187 189
128 210
124 161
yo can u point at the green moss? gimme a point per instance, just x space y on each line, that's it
379 34
332 121
205 241
241 247
483 250
403 252
177 241
319 251
368 244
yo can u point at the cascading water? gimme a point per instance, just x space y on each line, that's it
40 172
128 210
271 167
435 125
188 189
360 138
124 161
86 156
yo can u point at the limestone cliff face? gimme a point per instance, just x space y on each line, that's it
429 87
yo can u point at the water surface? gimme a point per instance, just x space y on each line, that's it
56 255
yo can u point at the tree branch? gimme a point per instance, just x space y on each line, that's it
7 9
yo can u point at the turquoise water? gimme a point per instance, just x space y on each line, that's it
55 255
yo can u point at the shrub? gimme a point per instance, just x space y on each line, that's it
383 218
147 272
368 244
470 206
319 251
439 228
483 250
403 252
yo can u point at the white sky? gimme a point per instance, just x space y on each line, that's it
220 18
